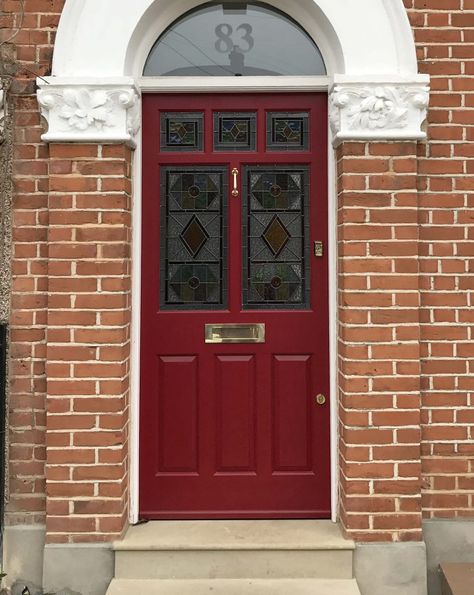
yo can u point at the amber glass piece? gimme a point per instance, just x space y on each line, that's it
276 235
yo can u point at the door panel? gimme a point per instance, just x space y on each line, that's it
292 428
178 408
235 406
235 194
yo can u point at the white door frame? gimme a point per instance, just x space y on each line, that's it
229 85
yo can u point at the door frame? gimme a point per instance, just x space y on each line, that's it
230 85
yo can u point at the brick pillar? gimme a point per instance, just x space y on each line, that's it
379 341
88 343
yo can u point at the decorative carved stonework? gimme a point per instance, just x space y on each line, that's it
378 110
90 112
360 108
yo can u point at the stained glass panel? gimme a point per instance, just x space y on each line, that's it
181 131
287 131
235 131
276 237
194 237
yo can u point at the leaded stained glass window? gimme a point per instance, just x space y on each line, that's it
287 131
181 131
276 228
235 131
194 237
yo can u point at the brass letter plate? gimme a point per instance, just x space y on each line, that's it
235 333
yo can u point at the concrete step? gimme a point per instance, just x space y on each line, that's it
233 587
234 550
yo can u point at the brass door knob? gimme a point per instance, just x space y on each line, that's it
320 399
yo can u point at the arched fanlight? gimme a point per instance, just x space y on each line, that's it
234 39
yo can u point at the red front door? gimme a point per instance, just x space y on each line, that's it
234 205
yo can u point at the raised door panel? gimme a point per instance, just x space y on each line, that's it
291 379
236 413
177 427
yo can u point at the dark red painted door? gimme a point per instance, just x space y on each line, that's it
234 199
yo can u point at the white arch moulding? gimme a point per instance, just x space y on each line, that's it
93 95
101 48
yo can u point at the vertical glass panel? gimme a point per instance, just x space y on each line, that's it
235 131
276 237
287 131
193 237
181 131
234 39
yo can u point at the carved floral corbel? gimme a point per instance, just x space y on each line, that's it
378 111
98 113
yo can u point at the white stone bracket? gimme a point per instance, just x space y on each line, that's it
378 108
90 110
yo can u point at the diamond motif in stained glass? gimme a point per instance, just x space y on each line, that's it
276 228
276 235
235 131
194 236
288 131
181 133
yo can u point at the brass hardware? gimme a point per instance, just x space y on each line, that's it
235 173
235 333
318 249
320 399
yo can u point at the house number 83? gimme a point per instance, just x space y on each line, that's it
225 42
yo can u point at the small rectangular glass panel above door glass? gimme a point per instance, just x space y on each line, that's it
181 131
235 131
287 131
194 237
275 240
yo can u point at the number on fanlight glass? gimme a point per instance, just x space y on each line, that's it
225 42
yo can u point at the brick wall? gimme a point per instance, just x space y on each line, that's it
31 51
444 33
404 240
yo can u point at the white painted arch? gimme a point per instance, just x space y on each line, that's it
112 38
